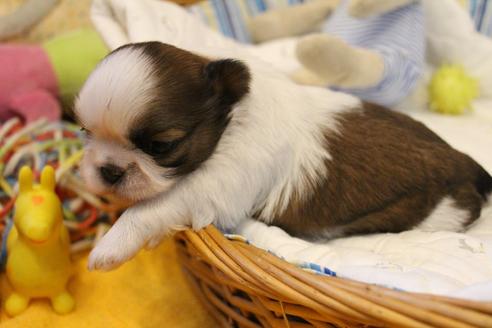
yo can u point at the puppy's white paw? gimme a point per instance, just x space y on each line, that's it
104 260
116 247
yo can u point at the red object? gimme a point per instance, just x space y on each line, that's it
7 207
89 220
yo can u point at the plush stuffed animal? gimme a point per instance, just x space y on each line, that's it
373 49
34 78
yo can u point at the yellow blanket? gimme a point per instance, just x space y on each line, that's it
149 291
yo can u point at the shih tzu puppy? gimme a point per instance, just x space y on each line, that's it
191 141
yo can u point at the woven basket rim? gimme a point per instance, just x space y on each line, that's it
339 300
259 272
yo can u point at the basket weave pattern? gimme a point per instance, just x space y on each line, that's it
243 286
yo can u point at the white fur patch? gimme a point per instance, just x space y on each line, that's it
296 132
445 217
116 91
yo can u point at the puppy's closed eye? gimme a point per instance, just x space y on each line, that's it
157 147
163 143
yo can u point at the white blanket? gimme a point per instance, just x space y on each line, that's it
455 264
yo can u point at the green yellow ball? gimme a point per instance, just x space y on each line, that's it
452 90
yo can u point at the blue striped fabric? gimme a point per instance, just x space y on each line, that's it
398 36
230 16
481 12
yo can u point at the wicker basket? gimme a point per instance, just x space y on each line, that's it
243 286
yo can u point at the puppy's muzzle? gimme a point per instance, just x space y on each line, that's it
111 174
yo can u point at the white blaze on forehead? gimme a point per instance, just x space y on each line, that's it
116 91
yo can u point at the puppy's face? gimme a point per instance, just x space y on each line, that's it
153 113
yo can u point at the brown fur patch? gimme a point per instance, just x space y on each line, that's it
387 173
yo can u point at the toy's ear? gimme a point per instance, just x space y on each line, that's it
25 179
48 178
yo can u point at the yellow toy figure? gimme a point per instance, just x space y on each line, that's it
38 246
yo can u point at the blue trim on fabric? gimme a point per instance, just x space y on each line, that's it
316 268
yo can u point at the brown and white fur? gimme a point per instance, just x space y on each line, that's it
193 141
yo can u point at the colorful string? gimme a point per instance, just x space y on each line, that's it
58 144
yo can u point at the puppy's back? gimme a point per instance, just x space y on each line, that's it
388 173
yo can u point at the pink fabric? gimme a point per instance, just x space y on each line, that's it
26 75
35 104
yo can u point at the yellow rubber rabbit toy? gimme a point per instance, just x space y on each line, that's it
38 246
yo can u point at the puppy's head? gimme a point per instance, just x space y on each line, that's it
153 113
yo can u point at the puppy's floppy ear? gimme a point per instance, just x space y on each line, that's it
229 79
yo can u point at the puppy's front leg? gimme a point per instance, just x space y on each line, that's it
206 198
144 223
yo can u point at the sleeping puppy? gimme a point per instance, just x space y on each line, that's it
192 141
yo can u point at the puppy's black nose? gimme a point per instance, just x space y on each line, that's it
111 174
